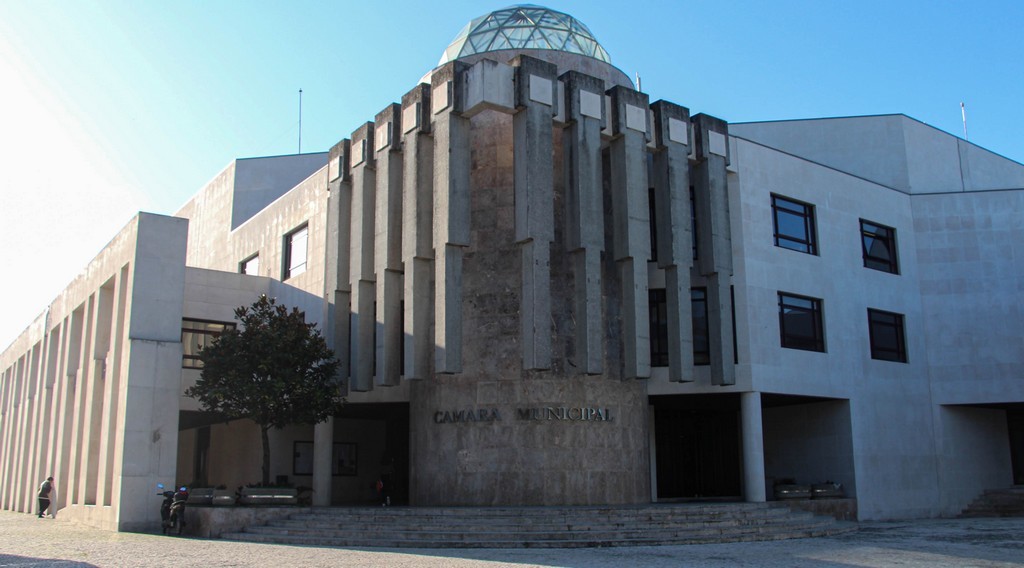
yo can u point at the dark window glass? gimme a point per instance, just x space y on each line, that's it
693 220
659 327
879 246
653 224
800 322
295 252
794 225
250 265
196 334
886 332
699 310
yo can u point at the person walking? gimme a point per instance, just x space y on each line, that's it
44 496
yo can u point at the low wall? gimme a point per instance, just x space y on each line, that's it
213 521
840 509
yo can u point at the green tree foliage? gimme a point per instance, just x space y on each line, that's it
275 370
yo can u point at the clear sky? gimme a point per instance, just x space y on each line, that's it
111 107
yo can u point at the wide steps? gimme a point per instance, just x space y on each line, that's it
541 527
997 503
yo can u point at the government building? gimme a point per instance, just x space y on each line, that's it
549 288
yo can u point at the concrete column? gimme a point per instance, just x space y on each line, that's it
536 102
584 219
323 451
711 136
631 240
337 273
113 409
388 245
675 243
76 479
451 211
753 447
361 266
418 231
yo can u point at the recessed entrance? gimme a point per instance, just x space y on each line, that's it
697 447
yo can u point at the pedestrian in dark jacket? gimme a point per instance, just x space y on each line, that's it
44 496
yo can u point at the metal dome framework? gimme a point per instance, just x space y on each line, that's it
524 26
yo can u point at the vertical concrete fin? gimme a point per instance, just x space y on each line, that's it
417 232
584 217
337 283
710 182
631 240
388 245
451 210
671 183
361 272
533 164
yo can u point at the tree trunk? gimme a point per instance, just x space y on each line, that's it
266 455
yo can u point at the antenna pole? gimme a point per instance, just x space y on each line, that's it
638 87
963 115
300 121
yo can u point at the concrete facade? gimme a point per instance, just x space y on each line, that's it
546 290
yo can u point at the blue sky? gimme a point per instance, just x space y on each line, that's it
108 108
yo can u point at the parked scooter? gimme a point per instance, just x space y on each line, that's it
172 510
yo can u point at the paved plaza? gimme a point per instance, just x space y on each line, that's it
28 541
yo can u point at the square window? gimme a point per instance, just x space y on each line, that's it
250 265
196 334
800 322
886 332
878 244
295 252
794 225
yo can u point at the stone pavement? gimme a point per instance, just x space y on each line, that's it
26 541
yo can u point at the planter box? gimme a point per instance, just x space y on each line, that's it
200 496
268 496
223 497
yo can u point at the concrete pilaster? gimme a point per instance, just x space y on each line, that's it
388 245
584 232
714 241
672 223
323 448
631 241
451 211
753 447
361 267
337 274
417 231
535 96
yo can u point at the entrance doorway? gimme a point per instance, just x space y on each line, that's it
1015 426
697 446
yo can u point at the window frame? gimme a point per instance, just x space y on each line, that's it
895 353
702 357
288 270
809 243
188 359
890 265
246 261
789 340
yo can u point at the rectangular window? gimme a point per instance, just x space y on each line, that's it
250 265
794 225
653 224
800 322
295 252
701 335
886 332
878 243
196 334
659 327
693 220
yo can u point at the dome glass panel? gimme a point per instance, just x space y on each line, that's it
524 26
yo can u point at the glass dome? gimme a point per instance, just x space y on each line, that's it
524 26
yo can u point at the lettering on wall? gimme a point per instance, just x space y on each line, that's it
530 414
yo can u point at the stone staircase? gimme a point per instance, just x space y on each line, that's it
542 527
997 503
